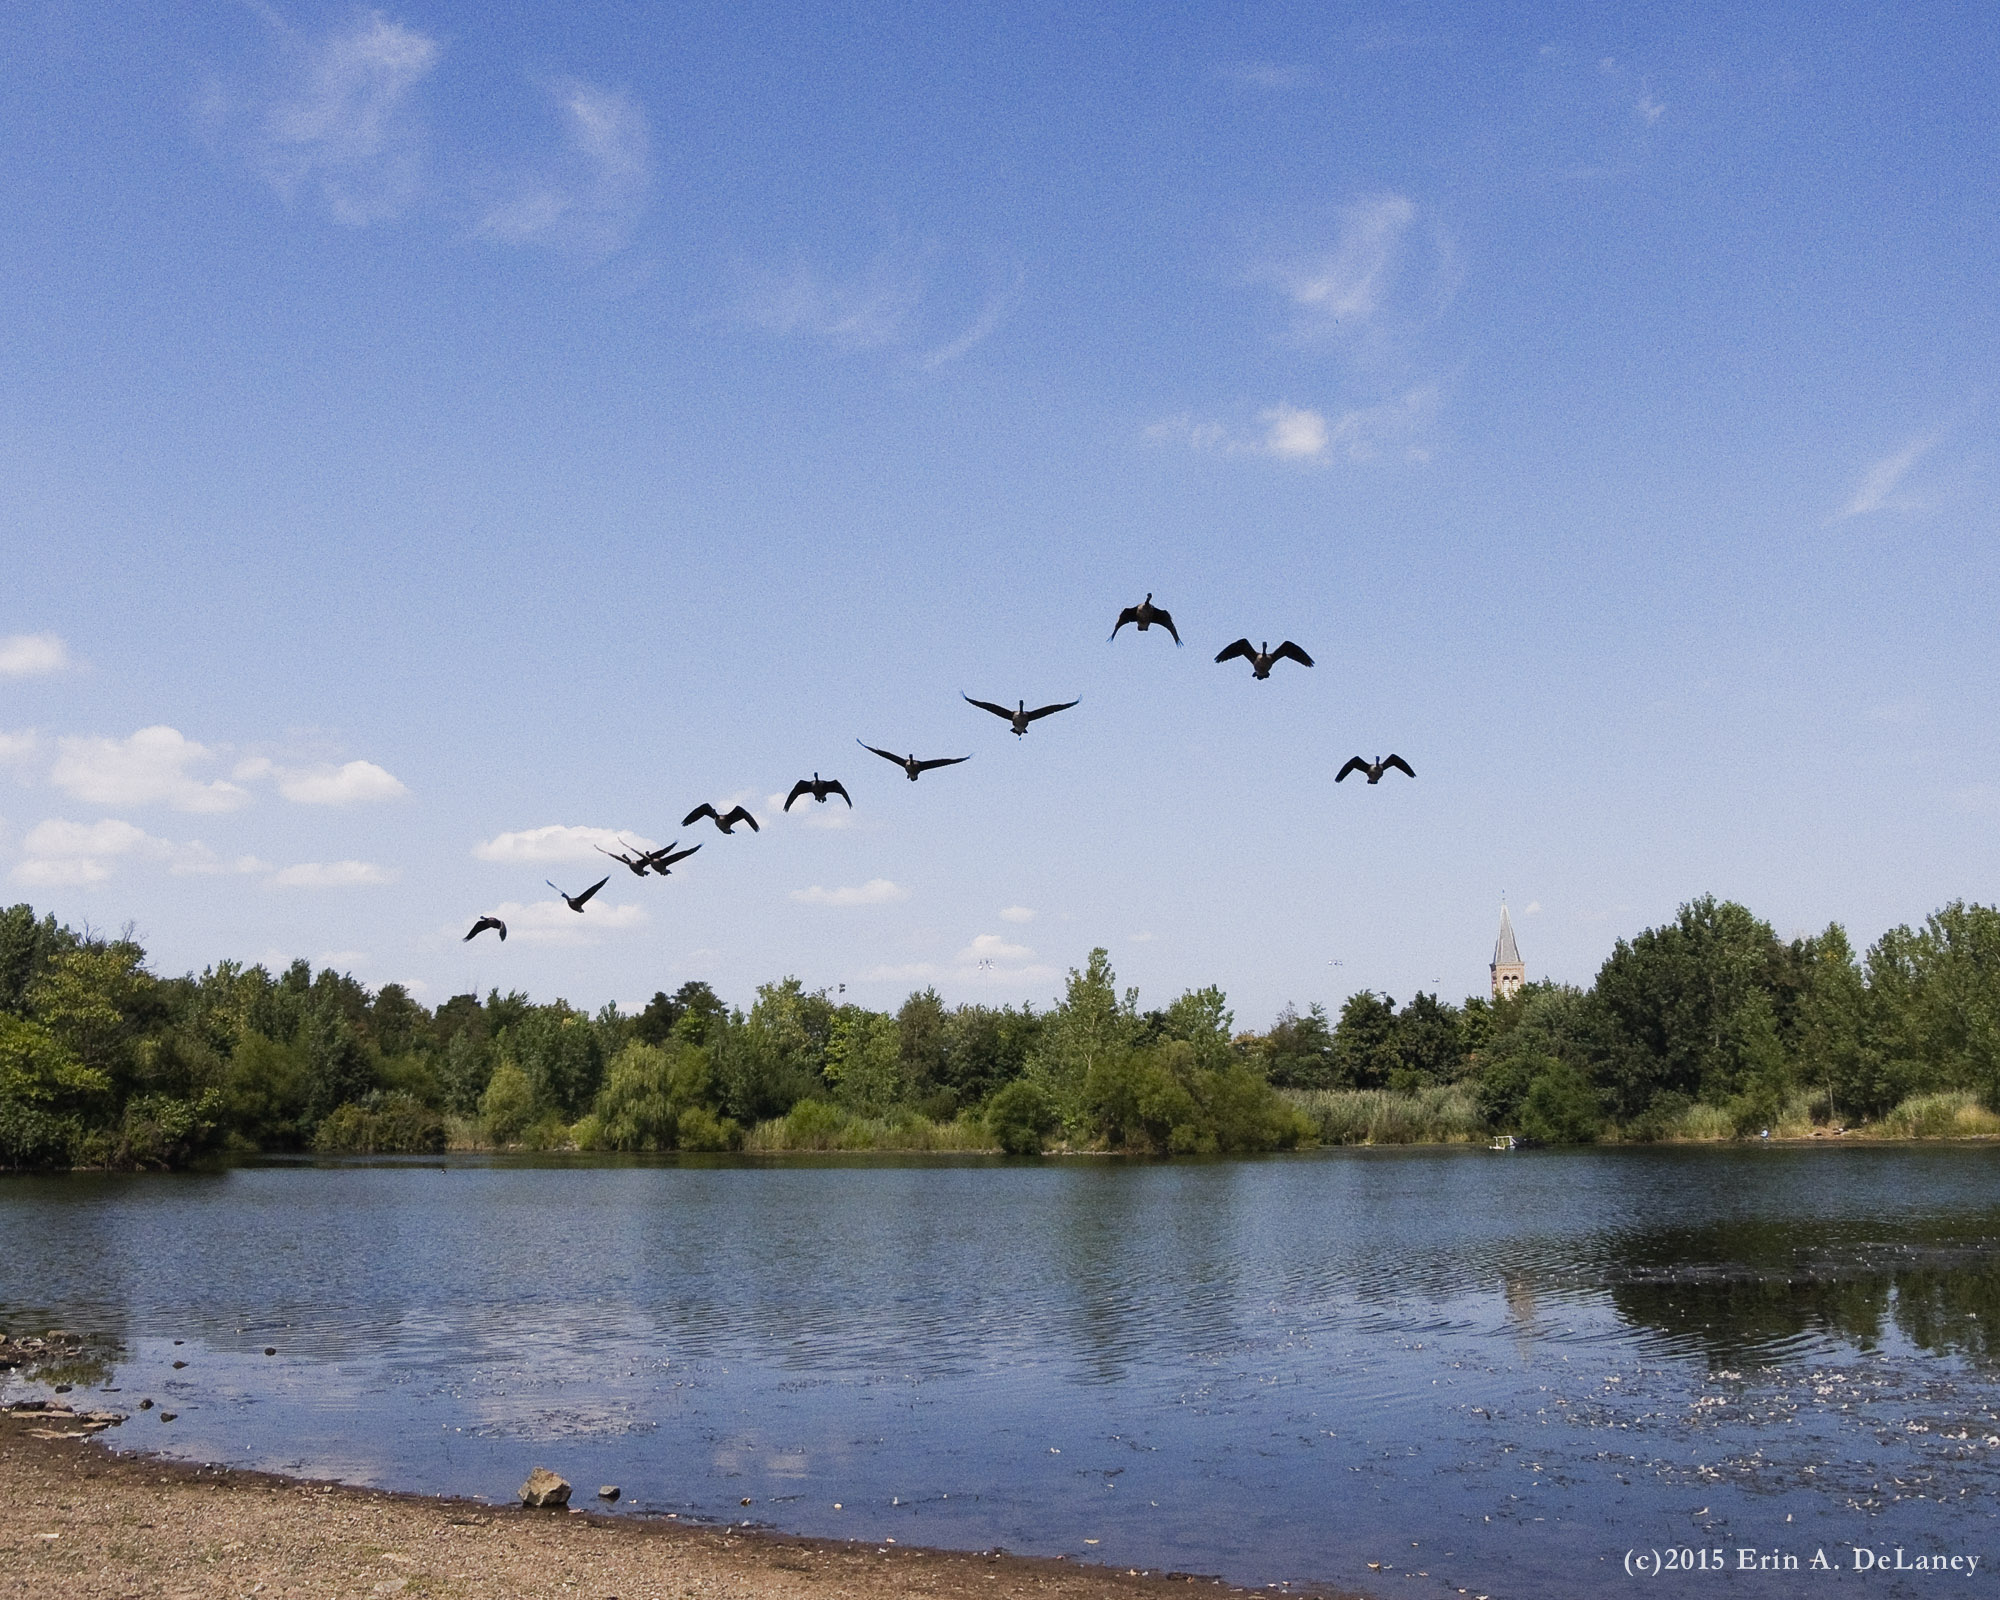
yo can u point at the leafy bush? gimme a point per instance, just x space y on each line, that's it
1021 1117
387 1124
1560 1107
508 1105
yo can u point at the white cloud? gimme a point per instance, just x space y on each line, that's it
1144 938
990 959
533 846
1883 478
332 875
553 923
875 892
19 746
1017 914
1293 434
1304 436
890 304
352 784
1650 110
1532 907
32 655
150 768
588 198
347 128
1349 285
59 852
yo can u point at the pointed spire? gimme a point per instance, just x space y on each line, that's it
1505 953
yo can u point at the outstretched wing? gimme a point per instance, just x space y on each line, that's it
987 705
1399 764
1288 650
738 814
661 859
833 787
1129 614
502 927
581 899
484 923
884 754
1166 620
694 816
942 761
551 882
799 788
1354 764
1049 711
1240 648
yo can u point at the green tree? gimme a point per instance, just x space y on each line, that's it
1089 1026
1364 1042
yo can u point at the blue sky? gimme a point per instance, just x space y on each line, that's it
430 433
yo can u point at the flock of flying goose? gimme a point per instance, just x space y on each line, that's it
1144 616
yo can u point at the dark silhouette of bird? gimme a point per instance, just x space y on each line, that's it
910 764
576 902
639 862
1145 613
1022 716
725 820
484 923
1375 769
1264 659
662 859
819 788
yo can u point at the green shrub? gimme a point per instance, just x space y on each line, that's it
1561 1107
508 1104
1021 1117
1702 1122
384 1124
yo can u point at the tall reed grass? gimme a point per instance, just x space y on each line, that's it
1448 1114
816 1125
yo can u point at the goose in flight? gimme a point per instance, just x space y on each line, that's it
725 820
483 924
576 902
1021 717
662 859
1375 769
1264 659
638 862
819 788
910 764
1145 614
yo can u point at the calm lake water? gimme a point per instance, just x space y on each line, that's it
1488 1373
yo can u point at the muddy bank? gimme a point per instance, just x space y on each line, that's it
77 1520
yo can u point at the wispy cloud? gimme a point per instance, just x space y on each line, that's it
32 655
587 197
1017 914
61 853
15 747
551 922
1882 480
896 303
875 892
989 959
345 127
1348 285
1300 434
557 842
332 875
149 768
355 783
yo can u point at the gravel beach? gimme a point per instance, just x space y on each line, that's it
77 1520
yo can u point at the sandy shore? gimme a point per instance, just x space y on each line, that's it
77 1520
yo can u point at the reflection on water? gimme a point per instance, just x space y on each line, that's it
1499 1371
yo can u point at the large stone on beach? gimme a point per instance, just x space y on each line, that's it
545 1488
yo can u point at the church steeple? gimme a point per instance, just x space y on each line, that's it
1508 972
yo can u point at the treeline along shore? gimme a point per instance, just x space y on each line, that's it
1709 1027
